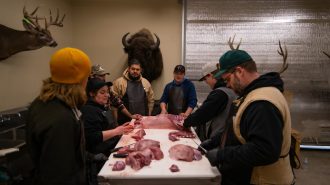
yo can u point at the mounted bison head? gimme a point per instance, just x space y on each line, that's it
141 46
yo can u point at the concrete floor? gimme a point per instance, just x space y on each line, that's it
315 169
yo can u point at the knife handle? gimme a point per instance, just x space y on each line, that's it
120 155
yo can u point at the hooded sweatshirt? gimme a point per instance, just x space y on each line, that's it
120 86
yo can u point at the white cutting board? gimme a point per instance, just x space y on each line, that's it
160 169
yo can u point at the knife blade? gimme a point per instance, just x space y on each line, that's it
118 148
199 146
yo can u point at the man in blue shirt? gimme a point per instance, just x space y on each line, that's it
179 96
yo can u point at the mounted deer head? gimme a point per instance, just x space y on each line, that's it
14 41
284 54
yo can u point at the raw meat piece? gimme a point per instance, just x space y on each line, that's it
157 153
146 143
138 124
183 134
182 152
176 119
139 135
173 136
125 150
197 155
174 168
138 160
161 121
147 153
119 166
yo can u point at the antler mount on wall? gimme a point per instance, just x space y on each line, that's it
34 37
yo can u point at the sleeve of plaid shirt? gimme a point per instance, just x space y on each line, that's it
116 102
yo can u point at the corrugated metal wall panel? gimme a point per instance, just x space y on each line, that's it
302 25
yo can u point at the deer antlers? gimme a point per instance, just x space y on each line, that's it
284 54
326 54
56 22
231 43
33 20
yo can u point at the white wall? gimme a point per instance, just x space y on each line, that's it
96 27
100 25
21 74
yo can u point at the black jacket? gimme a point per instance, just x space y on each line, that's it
56 144
215 102
97 119
261 125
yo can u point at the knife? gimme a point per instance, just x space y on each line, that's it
120 155
118 148
199 146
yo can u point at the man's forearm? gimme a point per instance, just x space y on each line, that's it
126 112
188 111
163 107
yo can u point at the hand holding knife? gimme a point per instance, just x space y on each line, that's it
200 148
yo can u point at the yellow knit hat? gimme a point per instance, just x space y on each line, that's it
69 66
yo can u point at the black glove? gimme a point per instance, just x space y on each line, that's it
213 157
202 150
207 144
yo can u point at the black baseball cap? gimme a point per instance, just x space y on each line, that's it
179 69
95 84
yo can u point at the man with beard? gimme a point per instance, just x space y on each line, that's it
254 147
135 91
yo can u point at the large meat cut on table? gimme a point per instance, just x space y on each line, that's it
146 143
161 121
184 153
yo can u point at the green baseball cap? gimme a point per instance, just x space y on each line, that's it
231 59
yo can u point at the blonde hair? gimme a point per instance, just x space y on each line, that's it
73 95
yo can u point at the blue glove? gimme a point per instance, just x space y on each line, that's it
213 157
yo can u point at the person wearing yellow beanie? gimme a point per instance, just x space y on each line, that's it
69 66
55 133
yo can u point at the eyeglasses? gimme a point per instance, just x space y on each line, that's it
230 72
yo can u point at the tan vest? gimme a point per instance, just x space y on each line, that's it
279 172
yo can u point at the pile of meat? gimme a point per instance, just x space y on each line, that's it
184 153
143 152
